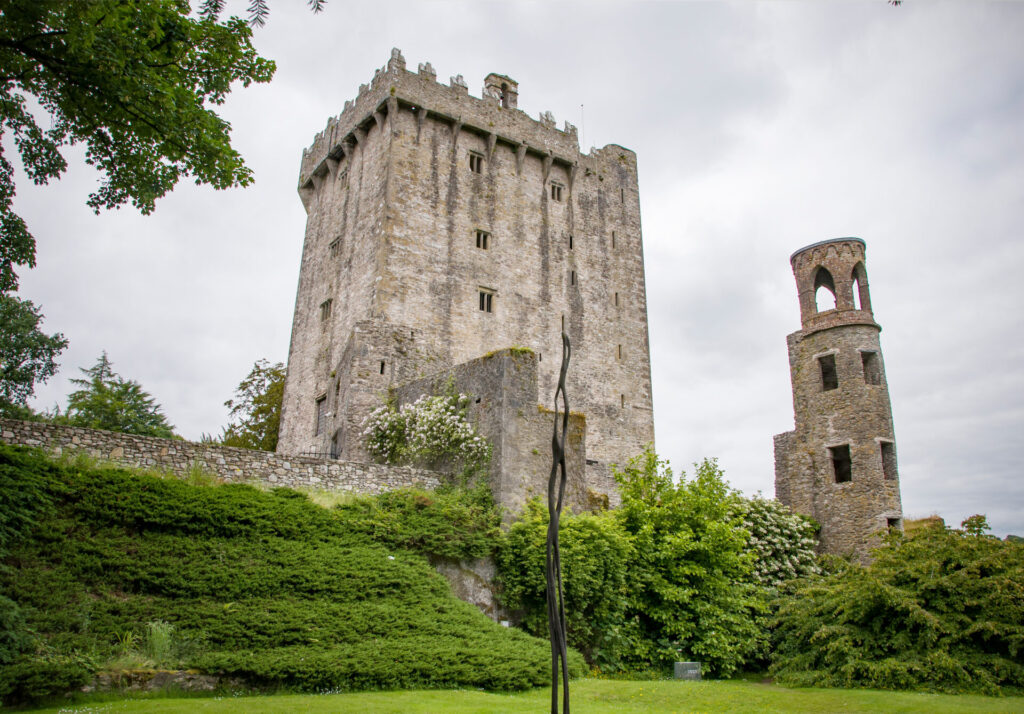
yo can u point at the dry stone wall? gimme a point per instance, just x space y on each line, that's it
227 463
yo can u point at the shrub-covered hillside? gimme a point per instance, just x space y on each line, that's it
103 567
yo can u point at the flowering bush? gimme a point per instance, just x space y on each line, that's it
782 542
432 431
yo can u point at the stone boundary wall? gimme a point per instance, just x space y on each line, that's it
228 463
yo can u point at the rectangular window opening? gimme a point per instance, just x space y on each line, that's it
829 377
325 309
872 367
556 191
889 461
486 300
482 240
321 415
476 162
841 466
893 524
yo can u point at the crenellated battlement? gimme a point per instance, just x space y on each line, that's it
394 88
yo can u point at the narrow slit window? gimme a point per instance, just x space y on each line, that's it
618 352
622 195
556 191
572 277
616 299
570 241
321 415
872 367
622 401
382 366
841 466
889 461
829 376
335 247
486 301
613 240
563 323
325 309
476 162
483 240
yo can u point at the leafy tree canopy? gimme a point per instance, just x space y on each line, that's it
27 354
256 408
107 401
691 595
134 81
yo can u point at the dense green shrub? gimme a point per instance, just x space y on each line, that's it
25 494
450 522
689 595
33 678
595 552
782 542
264 585
942 610
665 577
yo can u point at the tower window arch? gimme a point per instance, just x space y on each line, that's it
824 290
859 278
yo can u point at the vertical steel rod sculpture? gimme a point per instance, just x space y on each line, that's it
556 492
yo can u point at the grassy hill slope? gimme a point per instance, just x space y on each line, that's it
103 567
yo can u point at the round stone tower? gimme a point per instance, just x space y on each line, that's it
839 464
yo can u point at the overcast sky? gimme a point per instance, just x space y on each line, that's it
760 127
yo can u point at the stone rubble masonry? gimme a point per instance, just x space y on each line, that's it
857 412
227 463
391 272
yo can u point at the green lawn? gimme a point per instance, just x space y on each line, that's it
597 696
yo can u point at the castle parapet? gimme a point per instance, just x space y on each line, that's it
394 87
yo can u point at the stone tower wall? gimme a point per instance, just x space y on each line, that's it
840 399
391 177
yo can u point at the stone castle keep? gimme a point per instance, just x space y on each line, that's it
443 227
839 464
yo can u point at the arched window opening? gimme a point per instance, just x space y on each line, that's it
824 291
861 299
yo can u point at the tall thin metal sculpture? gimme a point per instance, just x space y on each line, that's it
556 492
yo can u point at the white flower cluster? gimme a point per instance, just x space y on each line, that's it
430 431
782 542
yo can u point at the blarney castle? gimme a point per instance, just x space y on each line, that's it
444 229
